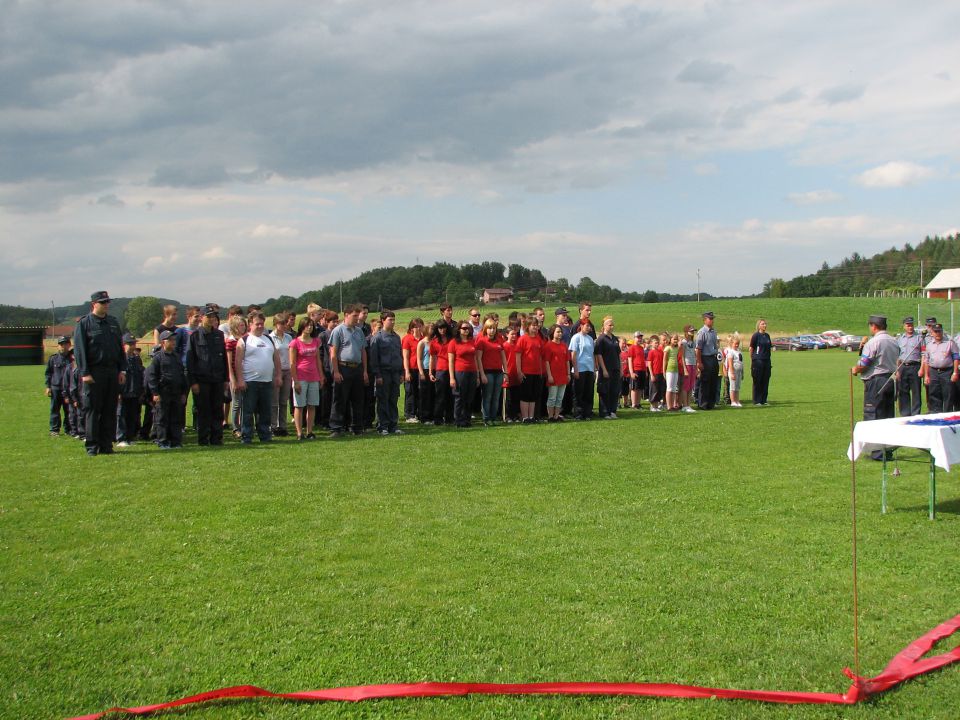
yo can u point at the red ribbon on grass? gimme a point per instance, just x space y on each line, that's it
906 664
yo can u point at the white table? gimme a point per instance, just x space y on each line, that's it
942 442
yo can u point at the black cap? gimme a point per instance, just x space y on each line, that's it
211 309
129 339
708 314
63 339
937 327
878 320
930 321
100 296
561 311
908 320
167 334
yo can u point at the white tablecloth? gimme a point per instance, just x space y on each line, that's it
943 441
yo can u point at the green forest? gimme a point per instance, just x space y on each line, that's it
894 272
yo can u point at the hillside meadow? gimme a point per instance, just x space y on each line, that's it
709 549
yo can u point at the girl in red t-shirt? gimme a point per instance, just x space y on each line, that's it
462 356
493 362
411 370
557 364
511 380
658 384
529 352
638 372
440 375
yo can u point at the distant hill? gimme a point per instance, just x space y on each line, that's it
894 271
14 315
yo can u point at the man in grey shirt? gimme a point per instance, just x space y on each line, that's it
348 363
878 361
908 376
708 367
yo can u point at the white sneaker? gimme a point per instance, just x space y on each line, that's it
123 443
412 420
688 409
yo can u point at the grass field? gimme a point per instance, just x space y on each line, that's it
711 549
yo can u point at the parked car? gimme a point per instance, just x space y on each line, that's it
813 342
830 340
786 343
845 341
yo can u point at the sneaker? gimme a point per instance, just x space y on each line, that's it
688 409
164 446
123 443
384 432
398 431
411 420
611 416
335 434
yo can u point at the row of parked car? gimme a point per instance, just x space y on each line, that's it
822 341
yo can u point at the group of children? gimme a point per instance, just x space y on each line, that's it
524 371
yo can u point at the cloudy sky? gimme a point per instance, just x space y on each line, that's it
238 151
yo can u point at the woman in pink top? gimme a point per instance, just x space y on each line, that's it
306 371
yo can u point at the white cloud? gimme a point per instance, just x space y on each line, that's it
705 169
214 253
153 262
895 174
814 197
274 231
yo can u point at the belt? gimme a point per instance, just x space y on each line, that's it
349 364
948 367
912 362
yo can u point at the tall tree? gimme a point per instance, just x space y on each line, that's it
143 313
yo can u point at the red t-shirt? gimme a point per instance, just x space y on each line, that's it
530 348
511 378
440 353
655 360
491 352
639 362
559 358
465 355
409 342
624 368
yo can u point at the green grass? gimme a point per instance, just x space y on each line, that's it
785 316
711 549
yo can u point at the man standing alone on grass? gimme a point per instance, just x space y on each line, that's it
878 361
101 365
708 366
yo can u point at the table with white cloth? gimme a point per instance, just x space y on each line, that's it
940 438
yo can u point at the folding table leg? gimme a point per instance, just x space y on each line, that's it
933 489
883 484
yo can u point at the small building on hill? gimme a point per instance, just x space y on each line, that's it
946 285
492 296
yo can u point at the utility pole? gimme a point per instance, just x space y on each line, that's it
340 282
698 284
921 275
53 315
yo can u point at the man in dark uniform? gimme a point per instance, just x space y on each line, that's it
878 362
57 382
708 367
206 374
101 363
909 375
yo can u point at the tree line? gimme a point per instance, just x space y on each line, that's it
894 270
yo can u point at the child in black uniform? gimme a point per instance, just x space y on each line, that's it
131 395
167 383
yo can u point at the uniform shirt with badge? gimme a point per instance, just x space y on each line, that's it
941 354
879 356
910 348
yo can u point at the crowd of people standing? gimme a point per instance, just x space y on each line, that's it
344 374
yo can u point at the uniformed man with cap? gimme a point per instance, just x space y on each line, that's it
939 368
878 362
909 375
207 372
101 363
708 367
